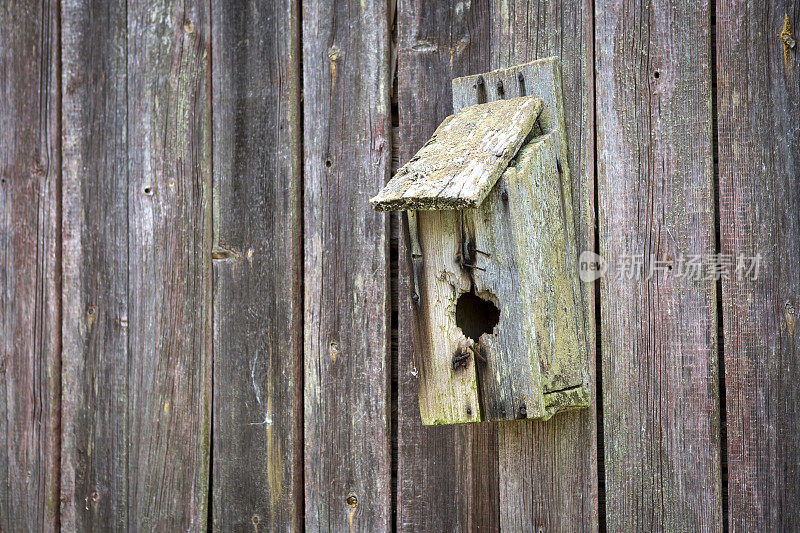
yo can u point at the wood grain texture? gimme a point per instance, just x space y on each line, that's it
347 157
758 99
659 348
137 242
548 470
446 475
95 262
448 392
466 155
30 266
169 272
533 271
257 266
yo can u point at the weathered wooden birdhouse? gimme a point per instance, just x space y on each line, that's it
497 301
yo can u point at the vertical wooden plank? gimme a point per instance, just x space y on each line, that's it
758 97
548 470
30 273
347 149
655 177
258 266
137 265
94 466
169 272
446 475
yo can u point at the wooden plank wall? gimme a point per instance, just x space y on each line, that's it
195 303
136 418
95 267
347 154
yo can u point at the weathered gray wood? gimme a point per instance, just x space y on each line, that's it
540 78
169 272
95 384
758 97
446 475
464 158
137 243
258 266
347 153
655 176
30 277
548 470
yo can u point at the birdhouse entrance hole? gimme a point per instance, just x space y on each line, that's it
476 316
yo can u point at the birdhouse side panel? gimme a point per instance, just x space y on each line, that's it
509 376
550 268
525 261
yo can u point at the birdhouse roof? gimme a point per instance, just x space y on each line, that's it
463 160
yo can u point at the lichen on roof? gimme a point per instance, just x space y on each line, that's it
463 160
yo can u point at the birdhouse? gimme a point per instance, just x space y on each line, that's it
496 297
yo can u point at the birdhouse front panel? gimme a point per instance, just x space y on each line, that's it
499 326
